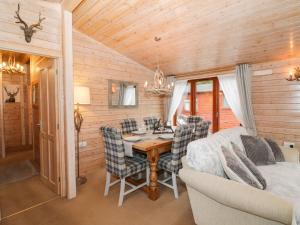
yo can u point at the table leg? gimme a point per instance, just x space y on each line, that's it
153 190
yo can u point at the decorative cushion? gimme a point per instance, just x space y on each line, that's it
279 157
236 170
258 150
250 165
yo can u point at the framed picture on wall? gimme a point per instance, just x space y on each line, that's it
11 93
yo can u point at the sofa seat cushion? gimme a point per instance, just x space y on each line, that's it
283 179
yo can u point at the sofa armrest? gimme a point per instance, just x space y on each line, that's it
290 154
238 196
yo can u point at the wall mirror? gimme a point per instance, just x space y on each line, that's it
122 94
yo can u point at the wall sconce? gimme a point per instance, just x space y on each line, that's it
294 75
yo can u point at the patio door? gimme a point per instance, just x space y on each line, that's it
48 125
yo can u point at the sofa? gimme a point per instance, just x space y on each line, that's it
216 200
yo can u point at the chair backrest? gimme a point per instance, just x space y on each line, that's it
181 120
114 151
128 125
150 122
192 120
201 130
182 137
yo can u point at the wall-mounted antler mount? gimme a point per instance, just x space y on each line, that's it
28 30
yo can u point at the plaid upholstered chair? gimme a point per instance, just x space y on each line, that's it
193 120
201 130
150 122
129 125
171 162
119 165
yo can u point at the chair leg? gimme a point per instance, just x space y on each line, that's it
174 183
148 176
122 191
107 184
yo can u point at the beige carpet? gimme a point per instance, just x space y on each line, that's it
92 208
15 197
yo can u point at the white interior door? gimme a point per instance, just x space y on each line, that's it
48 125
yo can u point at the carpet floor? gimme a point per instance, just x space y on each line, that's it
17 196
92 208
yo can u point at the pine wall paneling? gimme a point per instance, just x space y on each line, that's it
94 64
46 41
275 100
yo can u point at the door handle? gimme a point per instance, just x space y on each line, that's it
38 124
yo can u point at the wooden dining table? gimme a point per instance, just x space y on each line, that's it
153 148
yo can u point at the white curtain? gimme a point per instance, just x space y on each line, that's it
129 96
229 86
244 85
168 99
179 90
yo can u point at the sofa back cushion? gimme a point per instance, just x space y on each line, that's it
250 165
279 157
202 154
236 170
258 150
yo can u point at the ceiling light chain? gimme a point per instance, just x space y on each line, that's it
160 85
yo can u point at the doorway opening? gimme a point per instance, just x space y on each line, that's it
29 159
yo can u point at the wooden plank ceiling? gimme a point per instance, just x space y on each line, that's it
195 35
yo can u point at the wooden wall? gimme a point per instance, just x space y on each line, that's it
94 64
276 101
47 41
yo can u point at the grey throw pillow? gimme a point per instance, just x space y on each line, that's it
258 150
250 165
236 170
279 157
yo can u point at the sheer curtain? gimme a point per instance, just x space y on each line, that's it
168 99
179 90
244 84
237 91
231 92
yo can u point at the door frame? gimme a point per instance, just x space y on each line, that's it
65 107
215 108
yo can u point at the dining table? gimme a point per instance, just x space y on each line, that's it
153 147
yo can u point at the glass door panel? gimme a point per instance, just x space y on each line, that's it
227 118
204 100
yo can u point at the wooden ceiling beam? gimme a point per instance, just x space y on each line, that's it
71 5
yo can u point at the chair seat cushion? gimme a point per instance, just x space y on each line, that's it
164 163
134 165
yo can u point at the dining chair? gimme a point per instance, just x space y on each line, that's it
201 130
150 122
129 125
171 162
193 120
119 165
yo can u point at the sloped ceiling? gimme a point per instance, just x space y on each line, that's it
195 34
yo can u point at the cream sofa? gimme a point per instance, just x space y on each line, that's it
216 200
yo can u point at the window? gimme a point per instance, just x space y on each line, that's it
187 105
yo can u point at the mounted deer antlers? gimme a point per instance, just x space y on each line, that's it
11 95
28 30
